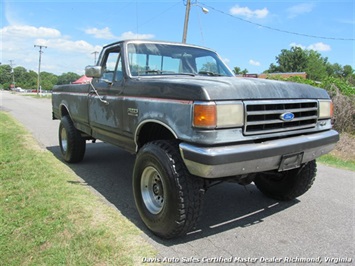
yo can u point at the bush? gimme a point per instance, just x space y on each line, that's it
336 85
343 96
344 112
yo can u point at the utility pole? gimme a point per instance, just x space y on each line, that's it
12 72
187 16
95 53
186 23
39 67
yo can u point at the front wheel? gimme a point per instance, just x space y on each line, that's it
287 185
168 198
72 144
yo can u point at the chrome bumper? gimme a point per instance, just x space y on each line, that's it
223 161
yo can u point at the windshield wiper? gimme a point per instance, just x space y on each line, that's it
185 74
153 72
209 73
164 72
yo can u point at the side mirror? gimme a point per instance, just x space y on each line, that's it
93 71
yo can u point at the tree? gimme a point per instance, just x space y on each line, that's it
273 69
293 60
209 67
31 80
238 71
67 78
298 60
348 71
48 80
5 76
335 70
20 76
338 71
316 66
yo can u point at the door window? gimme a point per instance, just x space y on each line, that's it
113 67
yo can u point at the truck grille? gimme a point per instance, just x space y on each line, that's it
263 117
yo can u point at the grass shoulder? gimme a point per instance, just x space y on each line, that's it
343 156
49 216
39 95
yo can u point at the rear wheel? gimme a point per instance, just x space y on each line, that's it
287 185
168 198
72 144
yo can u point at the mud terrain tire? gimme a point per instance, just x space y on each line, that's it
168 198
287 185
72 144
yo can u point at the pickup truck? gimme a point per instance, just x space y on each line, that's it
192 124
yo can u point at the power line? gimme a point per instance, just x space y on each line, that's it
159 14
279 30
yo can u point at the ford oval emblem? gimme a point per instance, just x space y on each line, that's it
287 116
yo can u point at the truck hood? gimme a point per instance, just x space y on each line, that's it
224 88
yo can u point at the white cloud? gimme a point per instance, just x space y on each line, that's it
104 33
299 9
254 63
64 45
319 46
226 60
24 31
248 13
298 45
63 53
131 35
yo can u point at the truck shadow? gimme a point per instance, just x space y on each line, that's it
108 171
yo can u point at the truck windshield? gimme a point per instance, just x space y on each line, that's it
146 59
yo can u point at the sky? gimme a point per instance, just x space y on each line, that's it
246 34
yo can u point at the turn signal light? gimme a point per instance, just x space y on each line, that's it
205 115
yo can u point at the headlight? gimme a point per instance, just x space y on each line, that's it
218 115
325 109
230 114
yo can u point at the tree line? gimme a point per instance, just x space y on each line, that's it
338 80
317 67
295 59
21 77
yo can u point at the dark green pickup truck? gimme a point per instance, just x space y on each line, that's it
192 124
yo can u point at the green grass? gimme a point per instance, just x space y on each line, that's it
335 161
49 217
39 96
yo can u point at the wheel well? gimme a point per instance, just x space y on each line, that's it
63 111
153 131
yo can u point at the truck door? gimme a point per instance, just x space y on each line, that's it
105 106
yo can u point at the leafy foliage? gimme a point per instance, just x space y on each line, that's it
336 85
293 60
28 79
317 67
238 71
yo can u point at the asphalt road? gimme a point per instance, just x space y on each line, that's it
239 224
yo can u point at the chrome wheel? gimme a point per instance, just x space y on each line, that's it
168 198
72 144
152 189
64 139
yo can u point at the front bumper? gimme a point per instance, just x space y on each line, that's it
223 161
